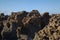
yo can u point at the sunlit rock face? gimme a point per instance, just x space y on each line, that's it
29 26
51 31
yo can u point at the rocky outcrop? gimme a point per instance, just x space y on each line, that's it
50 31
29 26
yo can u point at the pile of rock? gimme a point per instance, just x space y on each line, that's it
29 26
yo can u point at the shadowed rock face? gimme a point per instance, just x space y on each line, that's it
29 26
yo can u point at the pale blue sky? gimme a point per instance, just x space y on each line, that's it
51 6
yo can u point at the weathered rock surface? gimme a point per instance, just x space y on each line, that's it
51 31
29 26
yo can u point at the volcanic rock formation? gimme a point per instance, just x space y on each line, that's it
29 26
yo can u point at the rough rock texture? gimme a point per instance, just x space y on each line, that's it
29 26
50 31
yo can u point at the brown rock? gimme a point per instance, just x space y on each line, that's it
29 26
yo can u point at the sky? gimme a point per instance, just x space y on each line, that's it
51 6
